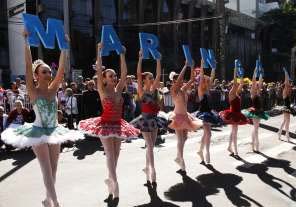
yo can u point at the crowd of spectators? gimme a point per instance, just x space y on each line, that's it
80 100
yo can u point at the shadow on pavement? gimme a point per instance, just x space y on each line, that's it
21 158
155 200
275 129
191 191
278 163
228 182
87 147
261 171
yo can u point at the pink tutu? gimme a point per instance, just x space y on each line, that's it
183 122
108 129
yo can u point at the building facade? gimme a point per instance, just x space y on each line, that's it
86 17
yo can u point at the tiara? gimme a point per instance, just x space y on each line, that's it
37 63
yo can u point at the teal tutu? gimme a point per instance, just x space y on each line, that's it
251 113
29 135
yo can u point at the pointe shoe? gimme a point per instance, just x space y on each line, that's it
208 160
114 202
46 203
279 135
181 172
230 150
201 156
109 198
180 162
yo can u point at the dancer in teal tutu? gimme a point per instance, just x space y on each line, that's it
44 135
256 112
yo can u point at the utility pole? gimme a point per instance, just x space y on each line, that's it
68 70
220 41
293 63
38 10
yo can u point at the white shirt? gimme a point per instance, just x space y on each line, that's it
71 102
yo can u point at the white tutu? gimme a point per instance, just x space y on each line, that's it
28 135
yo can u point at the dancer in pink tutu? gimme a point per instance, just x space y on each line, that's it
233 116
110 127
180 120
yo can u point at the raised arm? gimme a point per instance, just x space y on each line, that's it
232 92
29 71
139 74
254 84
191 81
156 82
286 83
61 70
99 69
260 85
201 80
212 77
241 85
123 72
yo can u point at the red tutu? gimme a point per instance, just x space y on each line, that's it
110 124
234 115
231 117
107 129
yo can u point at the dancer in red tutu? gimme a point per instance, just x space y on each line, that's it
233 116
181 120
286 109
110 127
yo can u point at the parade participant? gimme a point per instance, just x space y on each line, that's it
205 113
180 120
233 115
256 112
287 110
44 135
110 127
149 121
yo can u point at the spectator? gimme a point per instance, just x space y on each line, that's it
62 96
18 116
75 88
91 103
71 108
20 86
167 98
3 119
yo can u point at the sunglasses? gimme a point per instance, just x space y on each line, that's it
46 71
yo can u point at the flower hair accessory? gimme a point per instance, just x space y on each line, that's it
172 74
37 63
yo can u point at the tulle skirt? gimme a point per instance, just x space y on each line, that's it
149 122
108 129
232 117
212 117
28 135
183 122
252 113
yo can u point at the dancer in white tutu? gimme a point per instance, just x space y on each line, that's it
44 135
